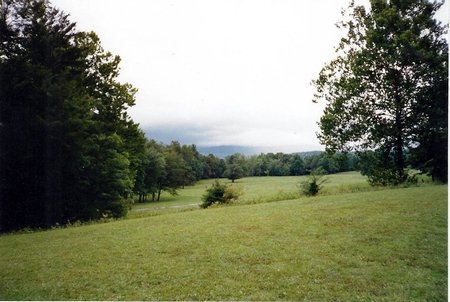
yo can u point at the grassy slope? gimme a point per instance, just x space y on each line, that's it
383 245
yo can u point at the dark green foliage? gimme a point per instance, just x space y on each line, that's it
279 164
68 149
213 167
182 166
314 183
234 171
174 175
431 155
219 193
214 194
150 172
377 166
194 164
297 165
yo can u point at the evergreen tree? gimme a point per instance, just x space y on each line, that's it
68 149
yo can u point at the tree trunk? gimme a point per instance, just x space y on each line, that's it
399 160
159 191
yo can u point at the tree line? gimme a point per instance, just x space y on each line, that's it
173 166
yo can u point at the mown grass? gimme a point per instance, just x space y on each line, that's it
388 245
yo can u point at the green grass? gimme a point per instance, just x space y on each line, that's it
383 245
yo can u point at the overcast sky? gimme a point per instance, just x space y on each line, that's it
213 72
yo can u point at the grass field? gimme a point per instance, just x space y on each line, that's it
256 190
378 245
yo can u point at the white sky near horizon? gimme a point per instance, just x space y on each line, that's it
220 72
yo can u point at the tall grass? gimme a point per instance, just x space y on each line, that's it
388 245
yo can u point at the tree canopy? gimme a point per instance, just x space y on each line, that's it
387 90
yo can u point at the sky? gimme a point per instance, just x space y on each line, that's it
220 72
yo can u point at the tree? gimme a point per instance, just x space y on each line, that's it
36 42
213 167
174 175
194 164
112 143
297 165
255 165
277 168
388 87
234 171
68 150
151 171
312 161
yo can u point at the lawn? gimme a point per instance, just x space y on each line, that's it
384 245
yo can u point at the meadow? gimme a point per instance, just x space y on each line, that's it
351 243
255 190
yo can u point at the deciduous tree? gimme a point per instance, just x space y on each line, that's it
388 87
234 171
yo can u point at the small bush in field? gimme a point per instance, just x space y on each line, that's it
220 193
313 184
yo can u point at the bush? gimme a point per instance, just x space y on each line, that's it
313 184
220 194
232 193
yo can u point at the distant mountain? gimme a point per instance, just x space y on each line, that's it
308 153
225 150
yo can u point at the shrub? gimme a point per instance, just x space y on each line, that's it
232 193
313 184
220 193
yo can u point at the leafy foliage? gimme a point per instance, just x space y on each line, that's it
388 87
233 172
377 166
